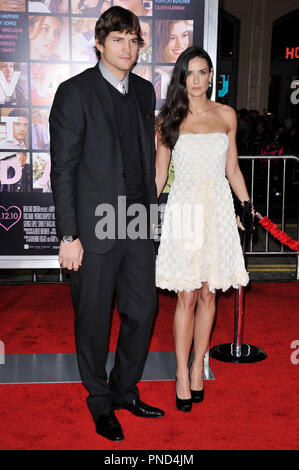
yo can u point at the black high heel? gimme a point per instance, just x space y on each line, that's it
183 404
197 395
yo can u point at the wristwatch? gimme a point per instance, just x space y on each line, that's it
69 238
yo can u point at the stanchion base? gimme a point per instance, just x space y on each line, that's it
248 353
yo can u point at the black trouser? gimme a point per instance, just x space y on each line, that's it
129 271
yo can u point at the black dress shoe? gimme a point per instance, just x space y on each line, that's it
197 395
184 404
138 408
109 427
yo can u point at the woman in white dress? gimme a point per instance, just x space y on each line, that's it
201 137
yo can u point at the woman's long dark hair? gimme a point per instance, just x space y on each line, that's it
176 106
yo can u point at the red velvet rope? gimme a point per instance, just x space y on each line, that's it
279 234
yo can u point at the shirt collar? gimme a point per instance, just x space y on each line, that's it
112 79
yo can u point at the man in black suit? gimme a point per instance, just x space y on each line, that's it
102 152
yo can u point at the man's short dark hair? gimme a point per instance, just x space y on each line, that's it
116 19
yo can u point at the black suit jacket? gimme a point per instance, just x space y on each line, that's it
86 158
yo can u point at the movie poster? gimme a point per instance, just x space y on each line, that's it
42 43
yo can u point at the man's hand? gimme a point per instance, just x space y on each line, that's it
70 255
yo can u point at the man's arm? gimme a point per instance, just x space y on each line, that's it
67 126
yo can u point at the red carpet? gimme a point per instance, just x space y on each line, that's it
39 319
252 406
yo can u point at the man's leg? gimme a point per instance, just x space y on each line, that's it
92 292
136 297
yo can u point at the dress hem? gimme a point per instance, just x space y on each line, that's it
212 287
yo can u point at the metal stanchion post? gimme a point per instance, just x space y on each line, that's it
239 322
238 352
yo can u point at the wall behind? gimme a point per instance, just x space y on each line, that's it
256 17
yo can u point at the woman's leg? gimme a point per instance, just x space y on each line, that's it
204 319
183 329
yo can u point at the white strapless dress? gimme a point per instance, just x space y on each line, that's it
204 246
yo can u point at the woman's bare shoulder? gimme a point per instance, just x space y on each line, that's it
227 113
225 109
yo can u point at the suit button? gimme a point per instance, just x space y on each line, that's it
124 174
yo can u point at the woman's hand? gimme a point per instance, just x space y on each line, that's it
248 218
239 223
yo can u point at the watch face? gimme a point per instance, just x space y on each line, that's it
67 238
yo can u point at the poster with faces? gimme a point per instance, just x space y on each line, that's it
14 84
173 37
14 125
45 42
83 40
48 38
42 44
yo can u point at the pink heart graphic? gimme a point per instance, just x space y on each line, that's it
9 216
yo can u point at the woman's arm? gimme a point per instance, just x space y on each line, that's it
162 165
233 172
